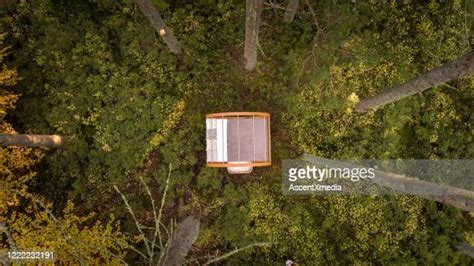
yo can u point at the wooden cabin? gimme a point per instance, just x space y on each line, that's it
238 141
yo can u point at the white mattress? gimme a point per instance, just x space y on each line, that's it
216 139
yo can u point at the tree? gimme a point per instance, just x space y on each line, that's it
187 231
73 239
8 78
15 162
180 237
27 140
27 221
92 71
437 76
353 229
93 126
459 198
290 11
157 22
253 11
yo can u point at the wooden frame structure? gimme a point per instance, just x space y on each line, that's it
238 140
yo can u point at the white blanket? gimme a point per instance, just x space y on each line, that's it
216 139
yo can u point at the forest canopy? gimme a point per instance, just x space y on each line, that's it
132 115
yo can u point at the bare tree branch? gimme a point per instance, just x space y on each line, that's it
163 199
157 224
315 19
137 224
237 250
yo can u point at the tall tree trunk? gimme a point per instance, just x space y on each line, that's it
456 197
182 240
252 24
437 76
26 140
157 22
290 11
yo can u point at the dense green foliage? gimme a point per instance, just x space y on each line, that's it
97 73
26 220
398 42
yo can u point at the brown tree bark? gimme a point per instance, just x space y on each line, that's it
26 140
182 240
157 22
456 197
437 76
253 12
290 11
